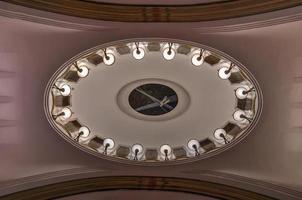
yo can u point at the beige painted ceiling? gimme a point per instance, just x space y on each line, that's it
32 47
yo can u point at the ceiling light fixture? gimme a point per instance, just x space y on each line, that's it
198 58
169 52
83 132
64 89
108 58
82 70
241 92
137 151
220 134
108 144
138 53
64 114
166 151
224 72
241 116
194 146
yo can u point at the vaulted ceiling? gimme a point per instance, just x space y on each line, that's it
35 43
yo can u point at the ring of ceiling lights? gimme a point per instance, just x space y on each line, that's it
61 99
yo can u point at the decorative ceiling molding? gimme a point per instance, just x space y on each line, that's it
29 182
245 182
136 183
53 178
35 18
69 22
158 13
250 25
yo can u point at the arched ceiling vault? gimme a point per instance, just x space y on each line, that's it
68 188
158 13
34 43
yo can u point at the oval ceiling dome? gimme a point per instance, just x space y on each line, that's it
153 101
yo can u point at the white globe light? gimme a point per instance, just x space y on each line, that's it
66 113
66 89
138 53
108 142
193 143
83 72
85 131
241 93
218 134
222 73
237 116
137 147
109 59
197 59
169 53
165 148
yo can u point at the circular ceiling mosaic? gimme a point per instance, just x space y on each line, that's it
153 101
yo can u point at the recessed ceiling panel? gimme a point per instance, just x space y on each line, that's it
153 101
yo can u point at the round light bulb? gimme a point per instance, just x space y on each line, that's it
218 134
222 73
197 59
67 113
193 143
165 148
169 53
108 142
66 89
137 147
83 72
241 93
85 131
109 59
237 116
138 53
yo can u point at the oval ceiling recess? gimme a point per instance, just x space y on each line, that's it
153 101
